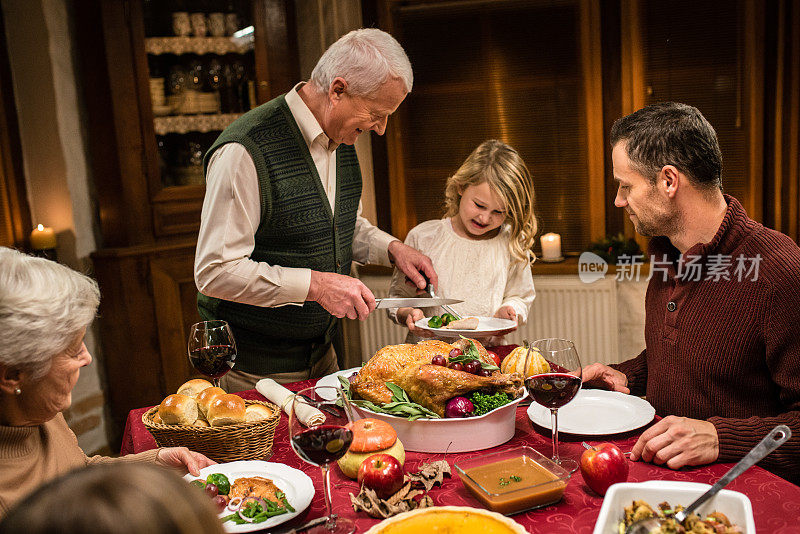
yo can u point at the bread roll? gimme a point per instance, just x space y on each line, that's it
201 423
227 409
206 397
157 419
193 387
178 410
257 412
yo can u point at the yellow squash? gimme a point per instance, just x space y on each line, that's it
515 363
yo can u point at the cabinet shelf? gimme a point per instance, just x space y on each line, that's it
196 45
182 124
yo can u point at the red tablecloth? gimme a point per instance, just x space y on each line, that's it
776 502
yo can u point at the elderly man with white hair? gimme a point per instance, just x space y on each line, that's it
281 219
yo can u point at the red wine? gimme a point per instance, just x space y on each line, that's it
213 361
553 390
322 444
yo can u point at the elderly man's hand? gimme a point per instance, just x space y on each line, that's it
678 441
413 262
340 295
603 376
183 458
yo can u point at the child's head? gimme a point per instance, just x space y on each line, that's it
500 167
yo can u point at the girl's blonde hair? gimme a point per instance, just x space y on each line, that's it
502 168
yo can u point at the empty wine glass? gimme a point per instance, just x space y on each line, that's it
212 349
319 435
556 387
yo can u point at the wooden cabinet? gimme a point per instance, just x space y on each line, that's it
155 101
147 306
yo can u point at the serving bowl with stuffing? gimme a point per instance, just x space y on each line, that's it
734 505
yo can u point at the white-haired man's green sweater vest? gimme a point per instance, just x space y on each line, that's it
297 229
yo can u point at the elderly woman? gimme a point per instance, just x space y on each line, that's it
45 309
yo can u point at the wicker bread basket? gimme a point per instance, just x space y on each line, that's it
242 441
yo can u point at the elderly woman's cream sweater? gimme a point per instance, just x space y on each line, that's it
32 455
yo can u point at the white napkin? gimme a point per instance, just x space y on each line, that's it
281 396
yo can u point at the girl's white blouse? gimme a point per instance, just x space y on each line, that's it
480 272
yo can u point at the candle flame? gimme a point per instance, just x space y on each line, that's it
40 227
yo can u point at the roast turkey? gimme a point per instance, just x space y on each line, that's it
468 323
409 366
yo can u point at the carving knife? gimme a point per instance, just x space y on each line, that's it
414 302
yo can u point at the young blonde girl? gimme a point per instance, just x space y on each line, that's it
481 248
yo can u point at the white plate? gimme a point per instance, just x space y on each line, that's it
597 412
487 326
296 485
333 380
733 504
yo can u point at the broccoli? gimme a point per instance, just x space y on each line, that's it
485 403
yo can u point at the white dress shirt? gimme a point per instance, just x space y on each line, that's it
232 213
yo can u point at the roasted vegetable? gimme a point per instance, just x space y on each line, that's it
448 318
459 407
486 403
435 322
221 481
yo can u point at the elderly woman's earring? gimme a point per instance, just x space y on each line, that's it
17 391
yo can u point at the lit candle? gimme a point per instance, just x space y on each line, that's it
42 238
551 247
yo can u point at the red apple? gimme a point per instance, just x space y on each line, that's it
382 473
602 466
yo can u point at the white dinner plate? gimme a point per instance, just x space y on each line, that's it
333 380
487 326
296 485
597 412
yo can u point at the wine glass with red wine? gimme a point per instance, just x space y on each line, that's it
556 387
320 435
212 349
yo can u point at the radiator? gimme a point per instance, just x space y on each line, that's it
564 307
584 313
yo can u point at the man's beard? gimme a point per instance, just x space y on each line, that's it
658 224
